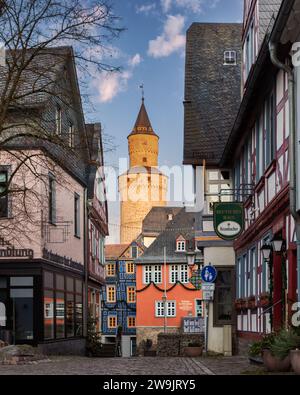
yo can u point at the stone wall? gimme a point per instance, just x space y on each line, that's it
142 334
65 347
173 345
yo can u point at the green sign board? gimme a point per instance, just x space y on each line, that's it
229 220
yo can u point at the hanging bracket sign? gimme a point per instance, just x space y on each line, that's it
229 220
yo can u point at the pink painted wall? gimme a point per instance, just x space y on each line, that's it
29 228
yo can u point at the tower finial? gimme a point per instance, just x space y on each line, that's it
143 92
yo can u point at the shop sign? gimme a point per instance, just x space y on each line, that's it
228 220
11 252
16 253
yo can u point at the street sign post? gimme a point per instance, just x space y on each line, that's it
208 287
208 275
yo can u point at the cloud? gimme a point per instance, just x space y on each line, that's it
195 6
145 8
135 60
110 84
166 5
171 40
192 5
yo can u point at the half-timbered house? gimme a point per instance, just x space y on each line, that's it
258 151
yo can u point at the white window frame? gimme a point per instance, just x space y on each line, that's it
230 58
147 271
157 275
179 273
152 273
171 308
181 245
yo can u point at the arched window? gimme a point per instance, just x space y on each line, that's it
2 314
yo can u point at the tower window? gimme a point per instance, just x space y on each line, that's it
144 160
230 58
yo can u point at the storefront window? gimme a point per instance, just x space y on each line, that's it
79 315
60 315
49 315
63 307
22 299
70 315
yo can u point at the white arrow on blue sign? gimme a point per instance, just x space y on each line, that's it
209 274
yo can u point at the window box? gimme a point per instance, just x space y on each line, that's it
264 299
240 304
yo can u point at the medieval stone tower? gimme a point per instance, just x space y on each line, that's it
143 186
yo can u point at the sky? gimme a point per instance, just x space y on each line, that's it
151 51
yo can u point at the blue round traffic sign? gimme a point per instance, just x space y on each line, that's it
209 274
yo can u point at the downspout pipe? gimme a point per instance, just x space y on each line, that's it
292 146
86 264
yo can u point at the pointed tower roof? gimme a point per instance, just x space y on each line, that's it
143 124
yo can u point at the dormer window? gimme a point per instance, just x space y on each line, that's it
230 58
181 244
170 217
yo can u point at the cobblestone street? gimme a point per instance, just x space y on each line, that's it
134 366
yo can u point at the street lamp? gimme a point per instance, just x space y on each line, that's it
278 244
266 250
191 256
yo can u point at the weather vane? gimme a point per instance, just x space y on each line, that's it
143 91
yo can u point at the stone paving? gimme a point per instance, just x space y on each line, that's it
134 366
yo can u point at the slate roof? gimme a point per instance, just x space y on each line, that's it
143 124
157 219
40 76
183 224
40 82
268 10
212 90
